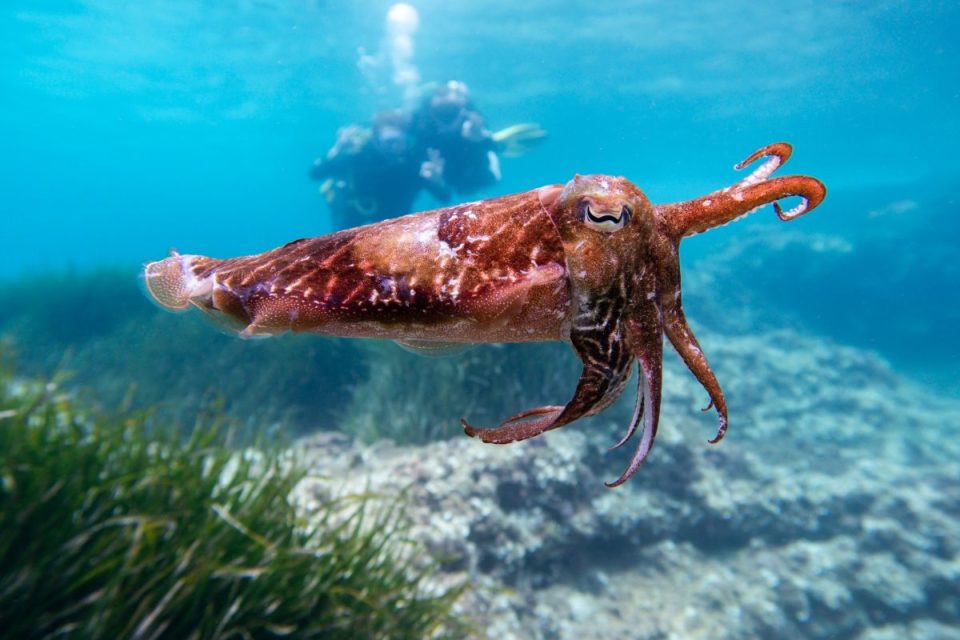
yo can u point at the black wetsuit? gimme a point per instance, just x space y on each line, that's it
369 186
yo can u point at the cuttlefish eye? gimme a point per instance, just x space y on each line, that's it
605 218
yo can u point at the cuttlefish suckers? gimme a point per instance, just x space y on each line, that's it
592 263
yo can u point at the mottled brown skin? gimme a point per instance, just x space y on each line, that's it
592 263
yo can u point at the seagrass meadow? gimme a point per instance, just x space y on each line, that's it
114 526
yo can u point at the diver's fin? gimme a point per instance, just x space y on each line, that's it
433 349
518 139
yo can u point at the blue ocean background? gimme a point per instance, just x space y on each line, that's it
130 129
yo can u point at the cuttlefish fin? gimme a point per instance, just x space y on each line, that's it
432 349
605 372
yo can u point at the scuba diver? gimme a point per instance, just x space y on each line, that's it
372 173
452 134
453 140
444 147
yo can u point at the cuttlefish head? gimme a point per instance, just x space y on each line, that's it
611 245
605 224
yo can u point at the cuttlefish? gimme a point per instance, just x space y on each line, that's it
592 263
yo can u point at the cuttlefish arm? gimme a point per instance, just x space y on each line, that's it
678 331
599 386
606 367
607 351
645 333
682 219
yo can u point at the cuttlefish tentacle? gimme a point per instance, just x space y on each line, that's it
682 219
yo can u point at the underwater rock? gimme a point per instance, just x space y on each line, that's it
829 510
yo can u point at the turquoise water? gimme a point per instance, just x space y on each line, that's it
128 129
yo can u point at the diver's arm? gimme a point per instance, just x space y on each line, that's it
351 143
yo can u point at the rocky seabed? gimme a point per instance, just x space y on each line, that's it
830 510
